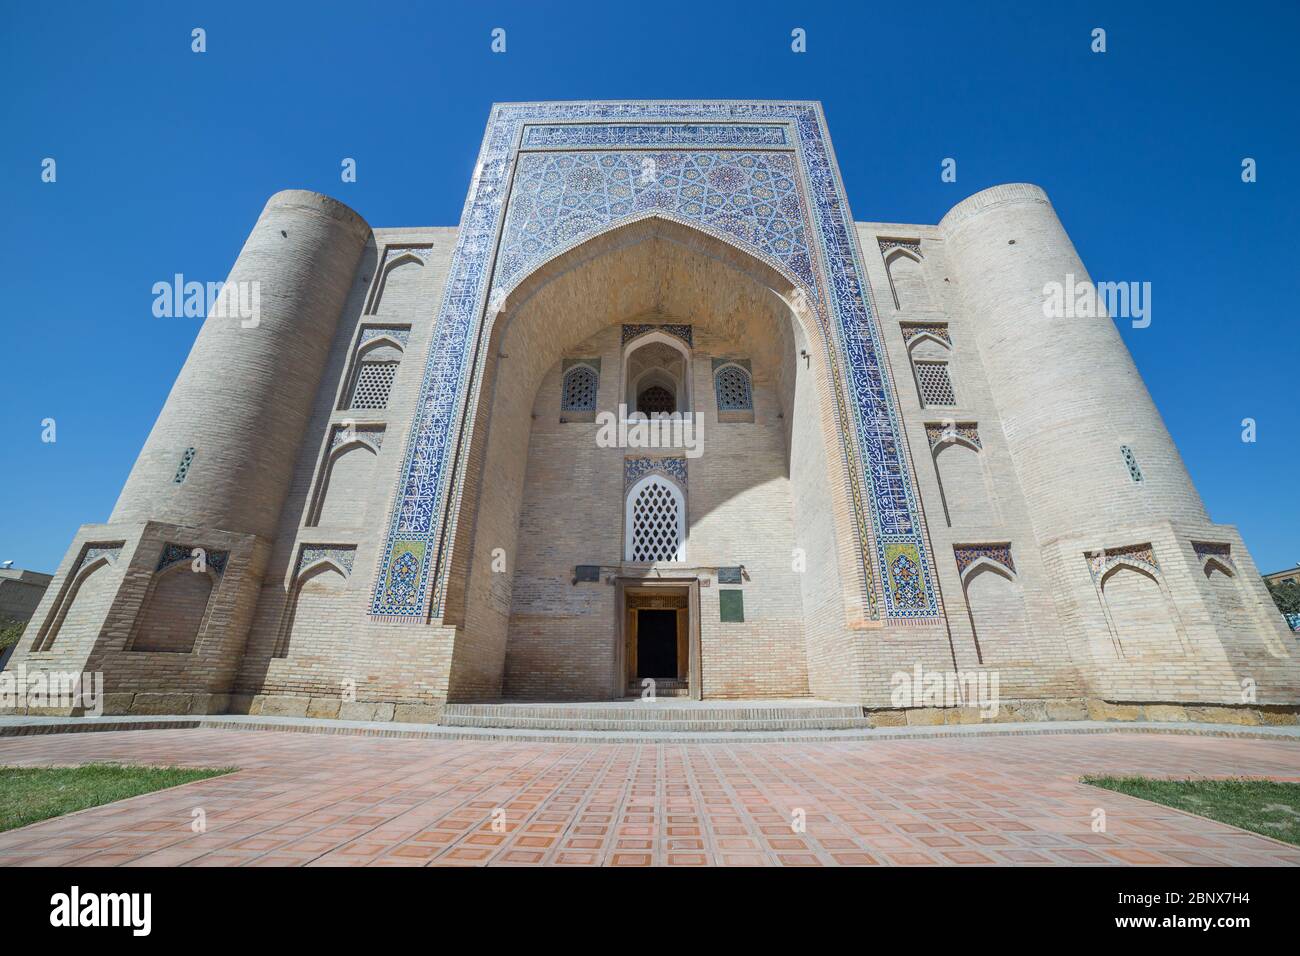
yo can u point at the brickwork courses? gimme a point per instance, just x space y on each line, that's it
1055 536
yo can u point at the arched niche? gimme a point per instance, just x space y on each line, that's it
175 610
317 596
907 281
656 375
345 485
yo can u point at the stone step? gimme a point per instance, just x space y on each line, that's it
672 713
634 693
651 724
675 710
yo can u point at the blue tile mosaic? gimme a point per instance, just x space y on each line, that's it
968 554
398 333
96 551
340 555
634 469
176 553
683 332
759 175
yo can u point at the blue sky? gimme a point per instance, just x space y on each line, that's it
165 158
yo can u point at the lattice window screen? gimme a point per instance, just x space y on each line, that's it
579 390
374 382
183 469
656 523
656 400
1130 461
935 384
734 392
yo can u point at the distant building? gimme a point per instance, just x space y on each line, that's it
1289 576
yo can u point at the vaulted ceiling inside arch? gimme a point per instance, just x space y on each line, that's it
653 278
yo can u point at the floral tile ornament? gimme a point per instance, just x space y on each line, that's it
758 175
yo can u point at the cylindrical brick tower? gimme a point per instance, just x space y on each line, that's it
1068 394
244 396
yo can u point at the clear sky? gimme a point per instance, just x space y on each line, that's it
165 157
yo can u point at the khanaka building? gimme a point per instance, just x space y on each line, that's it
395 487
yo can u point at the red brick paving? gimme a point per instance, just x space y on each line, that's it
315 800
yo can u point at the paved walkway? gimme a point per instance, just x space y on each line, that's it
20 725
314 799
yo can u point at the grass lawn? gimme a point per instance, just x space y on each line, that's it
1261 806
30 794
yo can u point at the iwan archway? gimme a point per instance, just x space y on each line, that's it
746 512
749 187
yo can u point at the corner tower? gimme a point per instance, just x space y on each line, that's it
159 599
1121 526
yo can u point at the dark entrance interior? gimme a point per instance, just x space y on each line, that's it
656 644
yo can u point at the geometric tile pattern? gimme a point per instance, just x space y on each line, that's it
560 197
937 329
938 432
968 554
1207 549
1099 562
419 252
682 332
634 469
399 333
94 552
912 245
759 175
302 799
341 555
176 553
372 435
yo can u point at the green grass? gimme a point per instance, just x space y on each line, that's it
31 794
1261 806
10 631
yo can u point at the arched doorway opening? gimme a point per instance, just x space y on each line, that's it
654 307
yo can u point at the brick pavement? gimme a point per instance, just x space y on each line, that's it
305 799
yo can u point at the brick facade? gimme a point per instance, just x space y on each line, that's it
1052 566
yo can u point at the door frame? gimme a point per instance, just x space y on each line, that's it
692 585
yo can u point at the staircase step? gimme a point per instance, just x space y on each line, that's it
652 724
668 713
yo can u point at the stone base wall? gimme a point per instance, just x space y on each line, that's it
1091 708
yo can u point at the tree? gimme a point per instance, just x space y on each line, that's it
1285 596
10 631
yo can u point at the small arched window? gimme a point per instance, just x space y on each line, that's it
735 392
579 389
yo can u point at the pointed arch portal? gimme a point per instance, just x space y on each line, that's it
758 177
